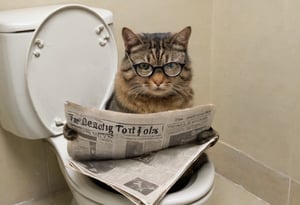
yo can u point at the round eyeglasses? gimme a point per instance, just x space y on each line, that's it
171 69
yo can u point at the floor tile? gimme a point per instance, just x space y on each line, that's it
227 192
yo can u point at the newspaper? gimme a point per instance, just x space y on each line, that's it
146 179
110 137
104 134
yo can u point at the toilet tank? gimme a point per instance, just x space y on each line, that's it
18 113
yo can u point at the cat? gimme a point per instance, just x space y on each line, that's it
155 75
140 89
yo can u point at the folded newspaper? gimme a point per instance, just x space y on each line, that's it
104 136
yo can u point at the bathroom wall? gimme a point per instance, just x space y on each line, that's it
245 56
28 168
255 85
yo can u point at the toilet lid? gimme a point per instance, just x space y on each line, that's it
72 57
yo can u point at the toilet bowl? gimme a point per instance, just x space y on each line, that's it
86 192
44 61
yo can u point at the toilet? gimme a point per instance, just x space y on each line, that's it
52 54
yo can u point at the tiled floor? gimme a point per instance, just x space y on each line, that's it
225 193
61 198
229 193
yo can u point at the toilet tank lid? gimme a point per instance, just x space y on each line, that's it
28 19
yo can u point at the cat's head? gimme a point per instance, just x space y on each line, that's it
156 64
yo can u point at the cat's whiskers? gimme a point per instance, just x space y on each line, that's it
136 91
179 90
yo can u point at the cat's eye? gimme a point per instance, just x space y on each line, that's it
172 69
143 67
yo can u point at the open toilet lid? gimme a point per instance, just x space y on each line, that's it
72 57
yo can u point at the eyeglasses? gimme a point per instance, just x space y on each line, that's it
171 69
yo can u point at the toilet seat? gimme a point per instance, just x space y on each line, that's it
199 188
59 58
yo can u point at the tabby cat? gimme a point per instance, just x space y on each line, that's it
155 75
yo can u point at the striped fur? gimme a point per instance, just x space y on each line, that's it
158 92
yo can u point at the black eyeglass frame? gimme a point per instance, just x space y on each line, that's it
153 68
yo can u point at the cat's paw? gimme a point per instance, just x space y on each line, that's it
69 133
207 135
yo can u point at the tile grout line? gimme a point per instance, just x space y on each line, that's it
25 202
47 167
289 191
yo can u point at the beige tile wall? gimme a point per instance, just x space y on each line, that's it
29 168
295 196
255 84
256 79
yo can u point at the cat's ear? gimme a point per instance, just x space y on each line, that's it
182 37
130 38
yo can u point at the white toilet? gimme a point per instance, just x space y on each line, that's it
66 52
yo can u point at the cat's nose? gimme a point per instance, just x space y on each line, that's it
157 82
158 79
